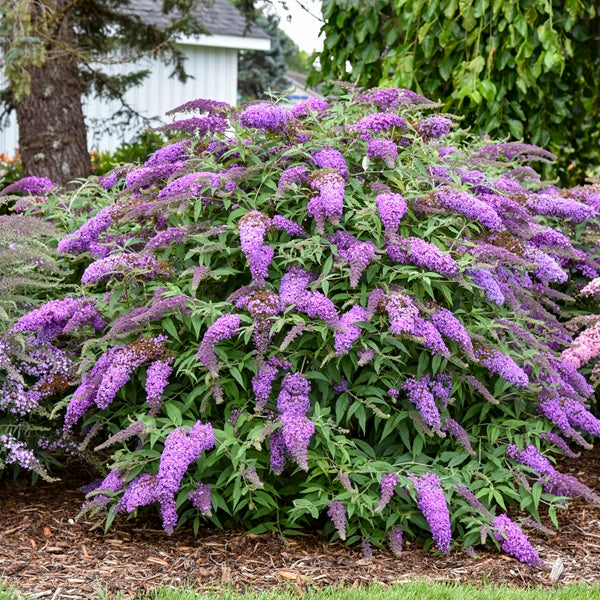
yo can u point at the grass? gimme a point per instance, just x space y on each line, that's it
420 590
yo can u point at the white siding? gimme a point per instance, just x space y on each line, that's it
214 72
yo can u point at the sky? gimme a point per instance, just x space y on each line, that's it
301 26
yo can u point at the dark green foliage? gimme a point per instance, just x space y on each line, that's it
529 69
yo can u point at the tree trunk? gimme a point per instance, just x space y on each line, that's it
52 133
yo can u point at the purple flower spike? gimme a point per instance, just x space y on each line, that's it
514 542
391 208
389 481
35 186
201 499
337 513
418 392
224 328
265 116
432 503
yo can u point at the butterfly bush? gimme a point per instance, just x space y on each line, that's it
325 317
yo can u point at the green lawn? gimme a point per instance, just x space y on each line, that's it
408 591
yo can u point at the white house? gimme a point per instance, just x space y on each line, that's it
211 61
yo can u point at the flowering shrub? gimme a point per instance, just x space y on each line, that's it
284 324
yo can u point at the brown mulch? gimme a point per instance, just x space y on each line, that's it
45 552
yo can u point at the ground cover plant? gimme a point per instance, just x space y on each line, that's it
345 315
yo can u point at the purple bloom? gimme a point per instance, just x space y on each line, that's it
136 429
485 280
377 123
201 499
182 448
262 384
456 431
389 481
202 105
35 186
253 227
470 206
358 254
395 539
191 184
433 128
113 482
311 105
169 154
447 324
88 233
391 208
224 328
16 452
265 116
331 159
329 204
514 542
553 205
432 503
291 228
157 379
386 150
418 392
141 264
293 403
277 447
141 491
292 176
501 364
166 238
337 513
198 126
386 98
556 440
430 337
348 332
145 177
423 254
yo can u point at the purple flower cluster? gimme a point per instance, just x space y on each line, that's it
89 233
432 503
201 498
386 98
253 228
197 126
337 513
109 374
384 150
172 153
378 123
430 337
224 328
419 393
293 403
136 429
146 177
434 128
16 452
498 363
157 379
113 482
457 432
293 176
401 311
553 205
514 542
358 254
423 254
470 206
448 325
556 440
202 105
329 204
35 186
391 208
306 107
265 116
191 185
291 228
389 481
395 540
165 238
348 331
331 159
485 280
60 316
141 264
182 448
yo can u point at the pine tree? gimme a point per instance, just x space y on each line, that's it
53 52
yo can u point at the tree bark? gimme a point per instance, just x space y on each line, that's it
52 132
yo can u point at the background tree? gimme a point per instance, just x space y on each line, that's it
53 52
529 69
259 72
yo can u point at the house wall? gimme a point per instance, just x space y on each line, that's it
214 72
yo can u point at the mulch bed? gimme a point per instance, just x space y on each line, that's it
46 553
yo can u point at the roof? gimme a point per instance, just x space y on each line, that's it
218 17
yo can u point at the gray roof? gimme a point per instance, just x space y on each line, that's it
218 17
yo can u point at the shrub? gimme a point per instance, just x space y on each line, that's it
341 316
